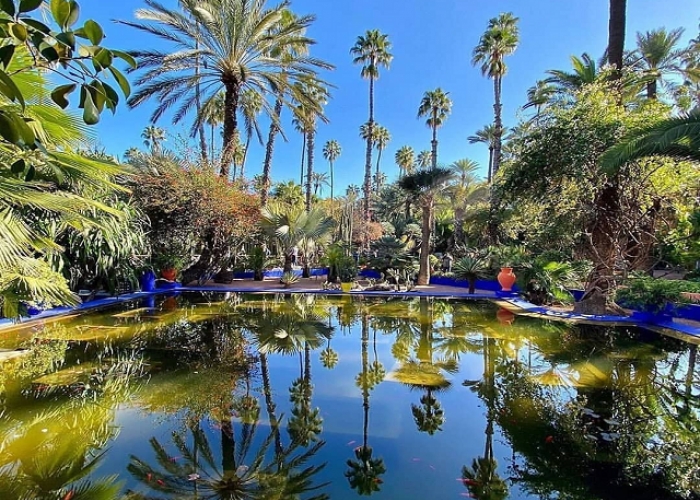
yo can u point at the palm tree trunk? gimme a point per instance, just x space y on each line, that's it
365 390
331 180
652 89
616 34
269 403
212 142
233 89
378 171
367 187
498 123
245 155
198 104
490 173
434 145
267 165
459 222
424 267
310 166
303 155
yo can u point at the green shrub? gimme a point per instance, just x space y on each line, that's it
648 294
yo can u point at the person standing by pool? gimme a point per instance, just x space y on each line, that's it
447 262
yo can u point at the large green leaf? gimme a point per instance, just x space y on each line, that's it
93 31
59 94
91 114
29 5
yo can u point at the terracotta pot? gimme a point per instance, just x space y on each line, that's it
505 317
506 278
169 274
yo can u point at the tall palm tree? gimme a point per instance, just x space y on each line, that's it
371 51
381 140
435 106
500 40
424 159
239 45
152 138
616 35
405 159
251 107
308 115
486 135
424 185
299 124
331 152
658 56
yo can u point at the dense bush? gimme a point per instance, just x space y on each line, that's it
652 295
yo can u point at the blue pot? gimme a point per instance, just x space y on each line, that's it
148 281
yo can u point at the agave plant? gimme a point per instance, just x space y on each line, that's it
471 269
289 278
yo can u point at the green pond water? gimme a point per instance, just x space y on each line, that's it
306 397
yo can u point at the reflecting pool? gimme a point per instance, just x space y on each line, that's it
227 396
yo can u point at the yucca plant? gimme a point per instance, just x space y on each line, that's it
471 269
257 261
289 278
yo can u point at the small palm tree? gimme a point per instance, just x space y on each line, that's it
319 179
405 159
381 140
435 106
372 51
424 159
331 152
486 135
659 56
471 269
539 96
152 138
424 185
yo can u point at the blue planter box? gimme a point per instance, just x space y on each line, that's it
488 285
148 281
277 273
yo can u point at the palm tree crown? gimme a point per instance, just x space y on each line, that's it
405 159
235 44
658 54
331 152
436 106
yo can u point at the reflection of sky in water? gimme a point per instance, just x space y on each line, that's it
419 465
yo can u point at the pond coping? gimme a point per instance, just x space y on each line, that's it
511 302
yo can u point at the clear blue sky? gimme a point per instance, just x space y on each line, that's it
432 45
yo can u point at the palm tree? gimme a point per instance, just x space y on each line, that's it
251 107
467 189
291 227
424 159
212 114
381 140
307 117
405 159
239 44
500 40
372 52
658 56
436 106
299 124
424 185
331 152
584 71
319 180
616 35
152 137
539 96
289 193
486 135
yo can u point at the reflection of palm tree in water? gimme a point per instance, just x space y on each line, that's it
306 422
364 471
481 478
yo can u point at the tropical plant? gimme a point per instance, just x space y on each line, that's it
471 269
371 51
500 40
347 269
331 152
538 96
405 159
424 159
152 138
381 140
486 135
584 71
257 261
319 179
545 281
308 116
291 226
436 107
647 294
289 193
424 185
289 278
230 45
251 106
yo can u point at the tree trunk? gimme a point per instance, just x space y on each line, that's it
490 173
303 153
459 223
424 267
367 187
287 261
616 34
198 105
233 89
498 123
212 143
245 155
270 404
331 180
376 175
434 145
267 165
652 89
310 166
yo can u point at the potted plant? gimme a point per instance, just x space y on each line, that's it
470 269
256 261
169 264
347 272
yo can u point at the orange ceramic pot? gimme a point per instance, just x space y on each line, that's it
506 278
169 274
